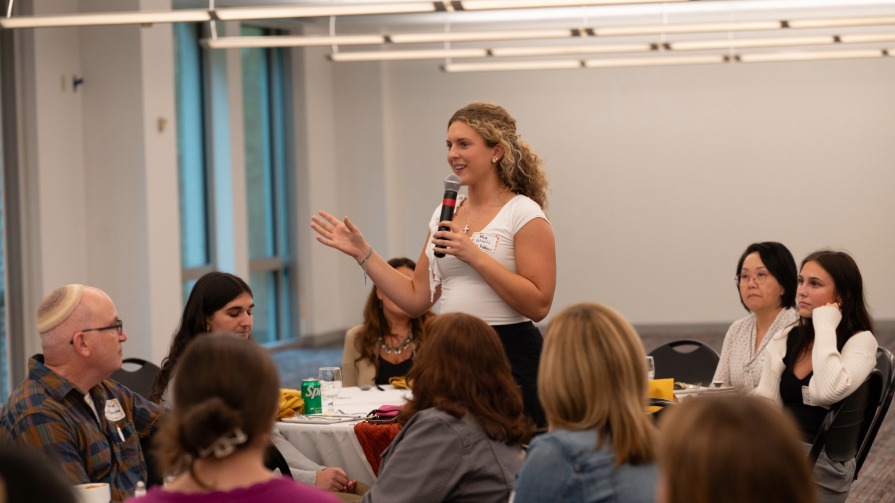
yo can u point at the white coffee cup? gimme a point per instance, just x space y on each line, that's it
93 492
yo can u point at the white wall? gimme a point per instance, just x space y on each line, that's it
661 176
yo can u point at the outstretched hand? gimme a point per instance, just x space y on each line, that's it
341 235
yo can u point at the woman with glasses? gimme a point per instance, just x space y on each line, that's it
824 358
766 281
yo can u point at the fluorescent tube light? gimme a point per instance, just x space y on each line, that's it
619 31
106 18
536 4
691 45
867 38
290 41
422 38
841 22
656 61
809 56
284 12
571 49
407 55
505 66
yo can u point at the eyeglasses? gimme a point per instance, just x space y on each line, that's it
744 279
118 326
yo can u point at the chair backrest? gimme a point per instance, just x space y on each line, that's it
274 460
845 425
686 361
139 380
885 365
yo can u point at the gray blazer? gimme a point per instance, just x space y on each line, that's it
437 457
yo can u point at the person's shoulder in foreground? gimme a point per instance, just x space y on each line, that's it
277 489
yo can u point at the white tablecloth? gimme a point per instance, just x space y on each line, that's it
336 444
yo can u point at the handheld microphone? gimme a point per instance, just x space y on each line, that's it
451 187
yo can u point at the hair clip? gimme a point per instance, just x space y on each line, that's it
225 444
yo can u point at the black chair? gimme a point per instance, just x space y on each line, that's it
885 365
686 361
274 460
139 380
843 429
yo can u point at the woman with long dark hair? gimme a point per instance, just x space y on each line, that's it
824 358
383 345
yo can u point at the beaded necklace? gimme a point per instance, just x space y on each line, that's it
396 349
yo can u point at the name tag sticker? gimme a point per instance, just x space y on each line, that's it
487 242
113 411
806 397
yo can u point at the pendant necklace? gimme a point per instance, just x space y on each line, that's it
468 221
398 349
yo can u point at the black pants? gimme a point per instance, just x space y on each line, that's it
522 343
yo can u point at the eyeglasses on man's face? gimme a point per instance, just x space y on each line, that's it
744 279
118 327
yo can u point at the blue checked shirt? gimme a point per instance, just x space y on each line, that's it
48 413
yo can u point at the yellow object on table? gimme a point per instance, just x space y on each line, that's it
398 382
660 388
290 403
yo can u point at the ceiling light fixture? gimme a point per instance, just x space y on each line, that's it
289 41
407 55
504 66
106 18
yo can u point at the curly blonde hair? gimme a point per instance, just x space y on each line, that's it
519 168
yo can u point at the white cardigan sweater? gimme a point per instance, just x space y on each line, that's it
836 375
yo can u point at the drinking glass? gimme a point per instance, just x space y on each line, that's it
650 368
330 385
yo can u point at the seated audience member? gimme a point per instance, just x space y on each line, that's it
462 432
592 384
24 477
382 346
766 279
824 358
226 397
68 408
222 302
731 448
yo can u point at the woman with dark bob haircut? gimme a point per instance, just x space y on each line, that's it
824 358
463 429
766 281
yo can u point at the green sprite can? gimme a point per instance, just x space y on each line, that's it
310 393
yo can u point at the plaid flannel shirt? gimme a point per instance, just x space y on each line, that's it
48 413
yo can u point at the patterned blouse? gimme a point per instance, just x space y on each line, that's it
741 364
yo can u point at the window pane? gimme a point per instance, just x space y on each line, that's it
257 104
194 236
264 288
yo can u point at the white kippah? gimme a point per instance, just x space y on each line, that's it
57 306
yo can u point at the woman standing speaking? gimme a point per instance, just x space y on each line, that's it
499 252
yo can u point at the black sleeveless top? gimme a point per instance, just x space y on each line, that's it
387 370
808 417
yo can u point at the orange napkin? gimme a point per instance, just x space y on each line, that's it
290 403
660 388
398 382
